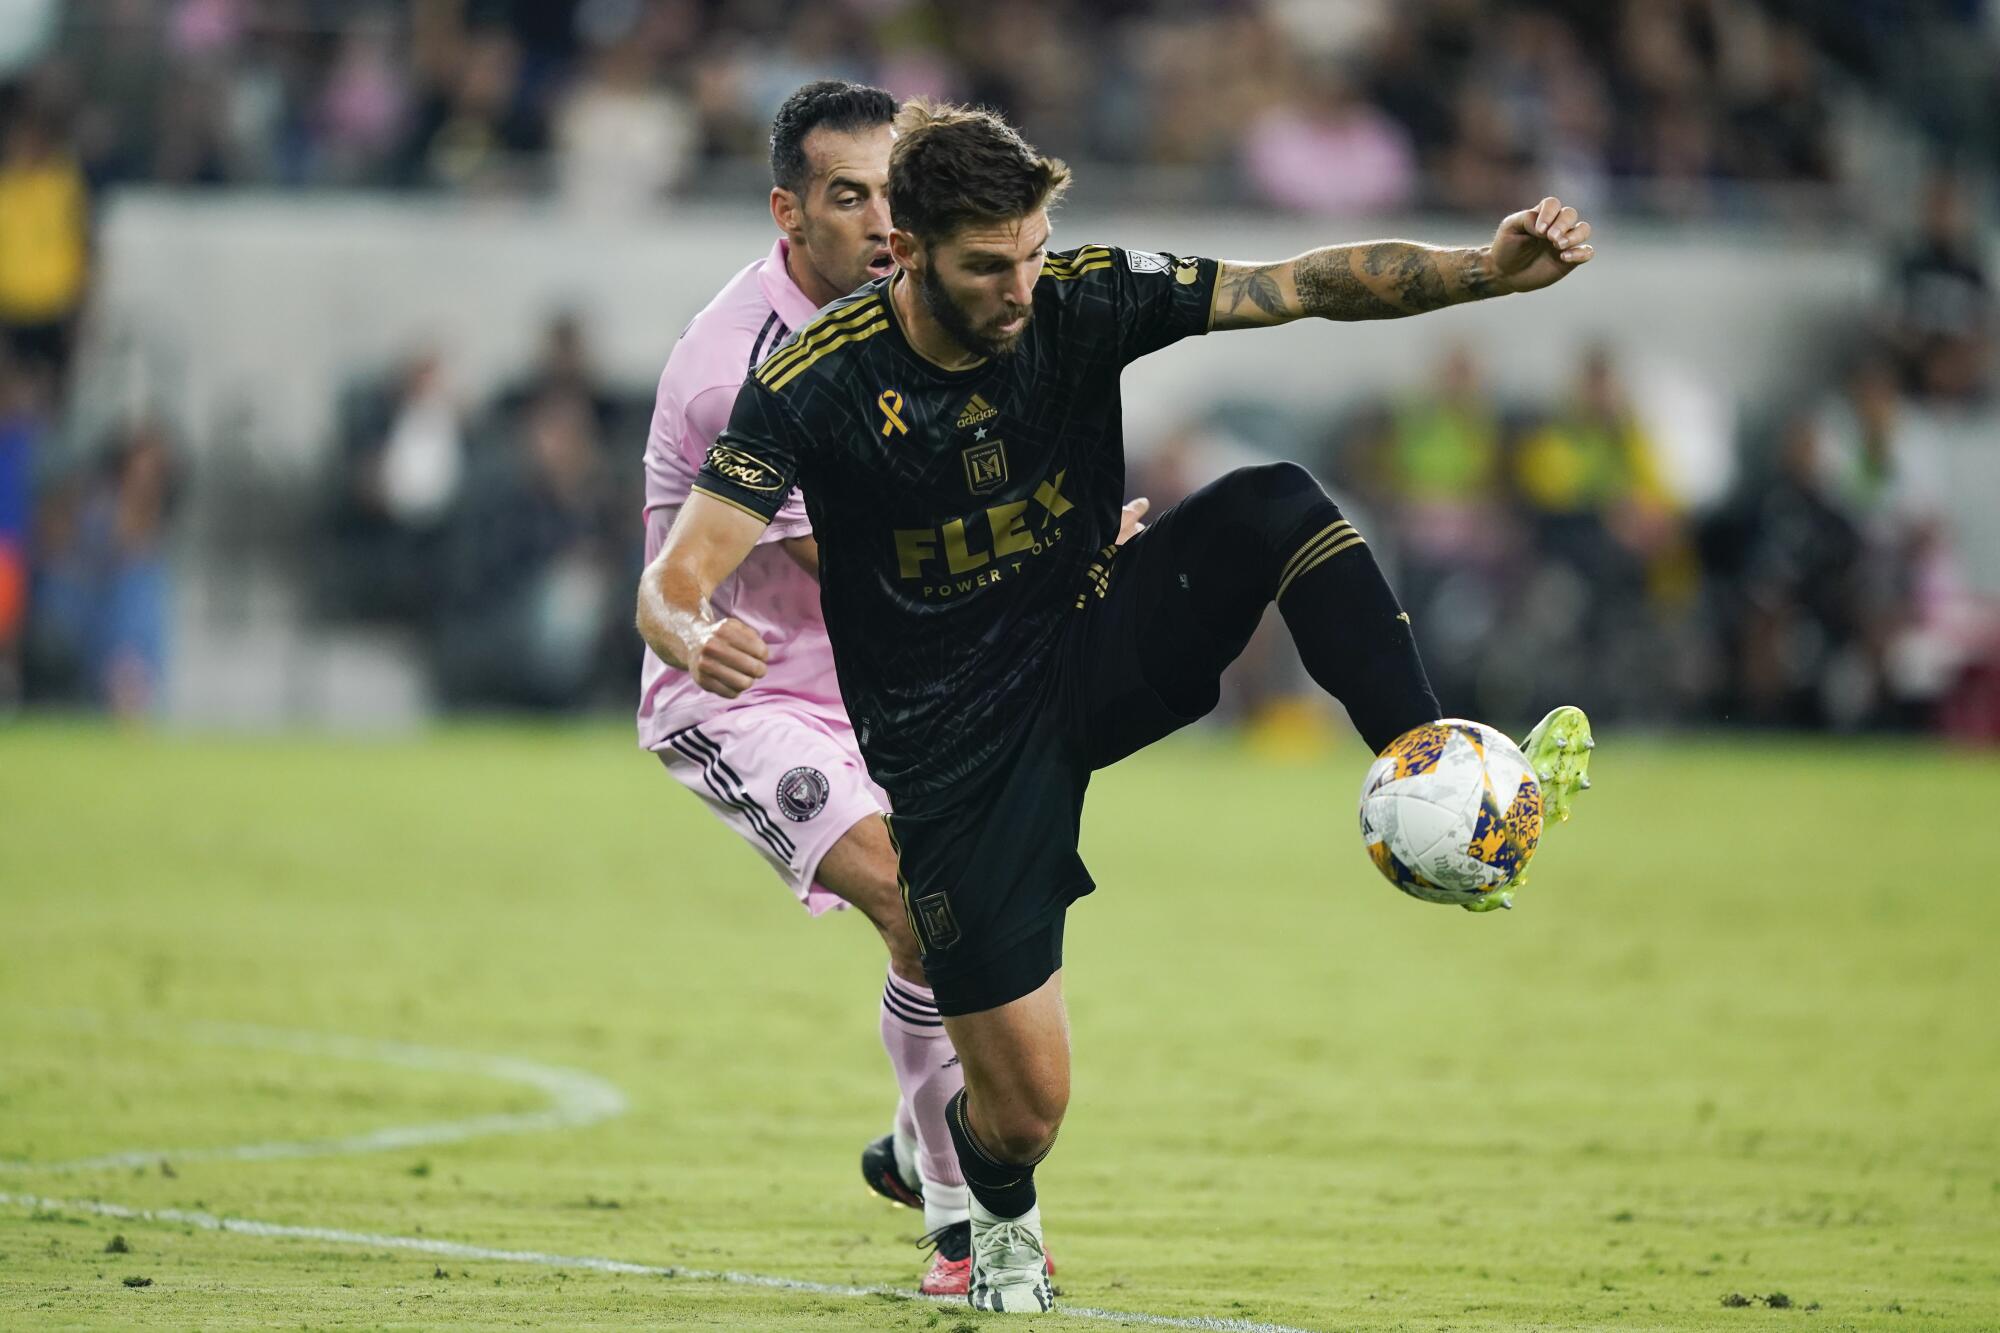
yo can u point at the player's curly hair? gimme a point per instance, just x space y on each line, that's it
830 104
954 165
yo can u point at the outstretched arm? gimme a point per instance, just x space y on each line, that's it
708 541
1390 279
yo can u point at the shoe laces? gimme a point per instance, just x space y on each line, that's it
1008 1241
952 1241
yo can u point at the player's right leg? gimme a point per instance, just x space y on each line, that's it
1004 1123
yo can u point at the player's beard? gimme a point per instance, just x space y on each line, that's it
951 317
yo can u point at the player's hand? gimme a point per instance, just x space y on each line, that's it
1539 246
1129 525
729 658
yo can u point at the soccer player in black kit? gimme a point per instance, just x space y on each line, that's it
956 430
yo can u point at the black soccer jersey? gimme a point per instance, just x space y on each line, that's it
958 512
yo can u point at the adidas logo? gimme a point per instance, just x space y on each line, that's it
976 411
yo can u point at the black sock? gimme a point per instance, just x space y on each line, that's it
1004 1189
1351 634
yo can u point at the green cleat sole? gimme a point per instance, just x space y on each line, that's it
1559 750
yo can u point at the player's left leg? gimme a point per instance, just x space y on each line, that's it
1183 598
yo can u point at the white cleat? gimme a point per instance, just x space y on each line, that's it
1009 1265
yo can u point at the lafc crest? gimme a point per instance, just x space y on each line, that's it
986 467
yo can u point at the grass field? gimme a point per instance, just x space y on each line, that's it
1738 1040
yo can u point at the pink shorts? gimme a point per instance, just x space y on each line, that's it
790 782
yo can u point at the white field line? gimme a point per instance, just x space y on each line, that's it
453 1250
575 1098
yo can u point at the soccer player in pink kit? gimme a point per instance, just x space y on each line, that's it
779 764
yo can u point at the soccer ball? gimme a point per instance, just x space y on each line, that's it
1450 812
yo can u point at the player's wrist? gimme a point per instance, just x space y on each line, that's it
1486 277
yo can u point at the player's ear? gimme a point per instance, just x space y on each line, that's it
905 249
787 210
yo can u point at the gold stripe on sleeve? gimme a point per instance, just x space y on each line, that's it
733 504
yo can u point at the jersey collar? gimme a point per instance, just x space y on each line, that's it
794 307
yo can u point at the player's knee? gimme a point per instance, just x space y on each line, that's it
1256 507
1255 489
906 959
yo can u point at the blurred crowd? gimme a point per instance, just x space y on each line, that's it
1336 106
1546 555
1541 545
504 534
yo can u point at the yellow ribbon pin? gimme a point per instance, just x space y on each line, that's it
891 403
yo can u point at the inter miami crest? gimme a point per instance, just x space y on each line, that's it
802 794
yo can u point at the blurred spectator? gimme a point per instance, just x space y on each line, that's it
535 569
1435 475
1327 150
399 469
100 594
1942 300
364 103
22 426
1613 569
564 367
1789 569
44 243
622 139
473 126
1781 123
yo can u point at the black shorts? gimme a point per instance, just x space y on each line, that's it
989 870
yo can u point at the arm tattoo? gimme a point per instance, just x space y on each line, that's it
1328 288
1256 285
1387 280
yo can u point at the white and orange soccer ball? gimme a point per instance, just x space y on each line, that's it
1451 812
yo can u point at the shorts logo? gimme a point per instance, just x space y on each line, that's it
802 794
752 474
986 467
935 922
1145 261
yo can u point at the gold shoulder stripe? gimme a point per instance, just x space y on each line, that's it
860 312
861 334
1083 254
733 504
1062 275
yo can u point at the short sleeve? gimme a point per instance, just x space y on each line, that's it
754 462
707 416
1147 299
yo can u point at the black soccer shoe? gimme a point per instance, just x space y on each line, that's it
878 1168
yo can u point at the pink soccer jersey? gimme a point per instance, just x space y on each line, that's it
769 592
